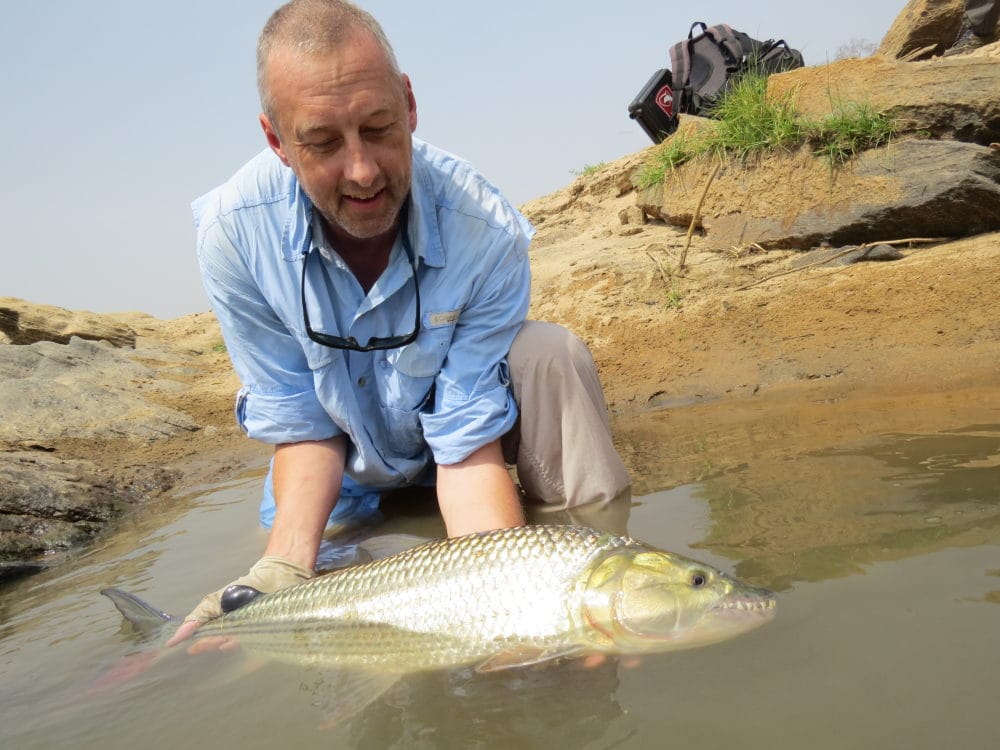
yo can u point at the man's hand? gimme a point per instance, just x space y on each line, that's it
307 478
269 574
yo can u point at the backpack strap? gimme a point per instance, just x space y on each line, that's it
704 28
727 41
680 65
680 61
775 57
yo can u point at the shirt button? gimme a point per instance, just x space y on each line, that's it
361 382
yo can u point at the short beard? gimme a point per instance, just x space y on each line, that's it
366 230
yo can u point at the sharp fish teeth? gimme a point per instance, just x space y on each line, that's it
750 605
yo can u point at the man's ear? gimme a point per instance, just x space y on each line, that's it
271 135
411 103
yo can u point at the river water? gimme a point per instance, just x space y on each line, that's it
884 551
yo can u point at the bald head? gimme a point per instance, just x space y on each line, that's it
313 27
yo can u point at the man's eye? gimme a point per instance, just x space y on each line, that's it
326 145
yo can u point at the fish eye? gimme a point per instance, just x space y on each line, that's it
699 579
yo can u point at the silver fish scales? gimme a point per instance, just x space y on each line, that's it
498 599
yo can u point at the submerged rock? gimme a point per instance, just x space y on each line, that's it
50 504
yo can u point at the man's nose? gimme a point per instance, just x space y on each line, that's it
360 168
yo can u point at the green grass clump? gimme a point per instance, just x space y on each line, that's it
674 298
673 152
749 122
853 128
589 169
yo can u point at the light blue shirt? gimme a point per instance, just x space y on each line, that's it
435 400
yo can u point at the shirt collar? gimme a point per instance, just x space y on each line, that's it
425 231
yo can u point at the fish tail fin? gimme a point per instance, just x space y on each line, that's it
148 621
144 617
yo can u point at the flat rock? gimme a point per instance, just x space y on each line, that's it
955 98
912 188
82 389
24 322
845 256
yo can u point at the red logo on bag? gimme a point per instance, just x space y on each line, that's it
665 100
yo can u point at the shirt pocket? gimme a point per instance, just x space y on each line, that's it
317 355
405 430
425 356
410 374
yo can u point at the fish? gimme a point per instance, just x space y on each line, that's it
496 600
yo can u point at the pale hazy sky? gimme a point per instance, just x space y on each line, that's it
118 113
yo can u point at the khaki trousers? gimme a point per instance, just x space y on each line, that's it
561 444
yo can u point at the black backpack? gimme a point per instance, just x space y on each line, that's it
701 69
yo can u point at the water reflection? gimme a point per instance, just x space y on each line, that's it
520 709
832 513
955 468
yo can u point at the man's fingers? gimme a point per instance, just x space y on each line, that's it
185 631
215 643
202 645
595 660
268 574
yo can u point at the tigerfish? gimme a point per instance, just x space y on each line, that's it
497 600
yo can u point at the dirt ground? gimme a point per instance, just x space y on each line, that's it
736 345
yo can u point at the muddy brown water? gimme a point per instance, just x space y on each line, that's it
884 550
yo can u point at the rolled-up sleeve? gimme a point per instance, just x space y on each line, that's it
278 401
474 404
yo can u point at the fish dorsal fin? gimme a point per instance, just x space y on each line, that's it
527 656
143 616
342 694
387 545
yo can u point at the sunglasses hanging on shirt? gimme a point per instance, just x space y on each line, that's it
376 342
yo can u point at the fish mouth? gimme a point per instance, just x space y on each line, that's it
753 601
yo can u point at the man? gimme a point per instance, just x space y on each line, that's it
978 27
372 291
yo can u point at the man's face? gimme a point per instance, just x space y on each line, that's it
343 123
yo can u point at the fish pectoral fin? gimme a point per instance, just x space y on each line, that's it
338 555
344 693
527 656
143 616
